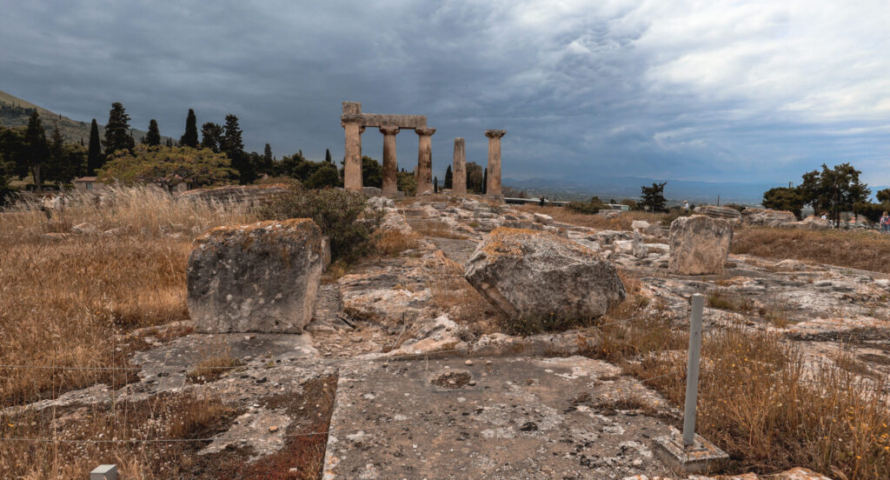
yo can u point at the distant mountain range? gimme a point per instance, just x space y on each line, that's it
617 188
14 112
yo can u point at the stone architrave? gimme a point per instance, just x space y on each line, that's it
459 175
390 163
494 161
261 277
424 173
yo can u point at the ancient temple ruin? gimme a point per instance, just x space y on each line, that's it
354 121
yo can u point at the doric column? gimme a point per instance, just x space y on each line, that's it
424 172
494 161
390 164
459 175
352 176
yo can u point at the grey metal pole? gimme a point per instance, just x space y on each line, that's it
698 304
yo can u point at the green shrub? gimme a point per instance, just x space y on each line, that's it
591 207
340 215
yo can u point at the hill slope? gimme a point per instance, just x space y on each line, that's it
14 112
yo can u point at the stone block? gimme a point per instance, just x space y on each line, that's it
699 245
255 278
539 274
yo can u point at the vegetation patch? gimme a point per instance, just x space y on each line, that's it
843 248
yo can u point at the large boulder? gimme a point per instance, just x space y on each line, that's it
699 245
763 217
527 273
257 194
255 278
726 213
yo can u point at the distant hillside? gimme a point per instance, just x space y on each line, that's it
14 112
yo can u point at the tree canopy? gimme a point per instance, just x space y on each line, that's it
153 137
168 167
653 197
117 130
190 137
784 198
94 154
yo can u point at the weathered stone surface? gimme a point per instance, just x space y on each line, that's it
639 248
762 217
714 211
236 193
255 278
531 273
813 223
372 192
699 245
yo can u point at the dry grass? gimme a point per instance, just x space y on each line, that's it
851 249
622 221
216 361
166 417
435 228
391 243
70 302
784 414
452 294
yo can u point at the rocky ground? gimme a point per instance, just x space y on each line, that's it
429 383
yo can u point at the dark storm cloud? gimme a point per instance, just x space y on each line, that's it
721 92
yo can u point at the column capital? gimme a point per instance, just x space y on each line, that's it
495 133
390 130
425 131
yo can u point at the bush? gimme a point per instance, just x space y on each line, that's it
340 215
591 207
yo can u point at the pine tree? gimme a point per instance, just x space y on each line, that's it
211 136
36 148
169 142
449 178
117 131
485 181
190 137
94 155
233 147
153 137
327 155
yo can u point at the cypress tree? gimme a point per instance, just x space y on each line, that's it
117 131
268 160
36 148
327 155
485 181
435 184
449 178
153 137
190 137
169 142
94 155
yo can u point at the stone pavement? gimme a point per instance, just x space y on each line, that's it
495 418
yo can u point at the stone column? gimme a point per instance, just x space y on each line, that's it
494 161
352 176
424 174
390 164
459 175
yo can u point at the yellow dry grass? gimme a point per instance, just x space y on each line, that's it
864 250
599 222
70 302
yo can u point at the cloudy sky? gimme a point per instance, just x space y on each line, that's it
724 91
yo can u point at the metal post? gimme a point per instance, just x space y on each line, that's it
698 303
